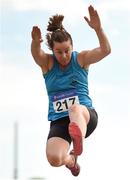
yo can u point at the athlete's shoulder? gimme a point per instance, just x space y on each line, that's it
76 58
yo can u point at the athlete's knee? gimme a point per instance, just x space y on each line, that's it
74 108
54 160
79 111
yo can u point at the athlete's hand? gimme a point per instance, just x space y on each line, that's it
94 21
36 34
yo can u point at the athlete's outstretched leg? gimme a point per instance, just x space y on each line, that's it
56 151
79 118
57 154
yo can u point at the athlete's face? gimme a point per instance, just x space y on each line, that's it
63 52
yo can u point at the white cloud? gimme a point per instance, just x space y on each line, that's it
66 7
117 5
21 88
73 10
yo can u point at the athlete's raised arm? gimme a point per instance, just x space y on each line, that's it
40 57
88 57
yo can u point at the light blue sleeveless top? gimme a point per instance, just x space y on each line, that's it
66 87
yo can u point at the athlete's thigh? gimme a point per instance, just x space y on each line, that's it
57 146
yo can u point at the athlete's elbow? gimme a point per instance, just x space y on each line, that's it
107 51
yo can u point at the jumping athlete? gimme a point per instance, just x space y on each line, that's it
71 112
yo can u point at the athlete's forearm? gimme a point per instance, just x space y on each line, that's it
35 48
37 53
103 41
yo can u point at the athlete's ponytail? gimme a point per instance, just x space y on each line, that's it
57 31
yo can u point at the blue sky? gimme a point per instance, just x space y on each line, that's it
23 96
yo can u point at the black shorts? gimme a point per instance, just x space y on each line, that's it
59 128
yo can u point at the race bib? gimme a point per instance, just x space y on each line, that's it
63 101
